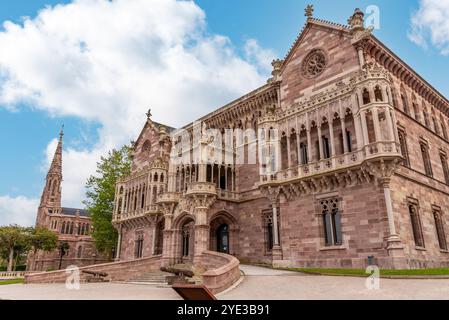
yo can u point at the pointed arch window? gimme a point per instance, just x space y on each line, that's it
439 227
331 216
426 159
378 94
404 149
416 225
365 96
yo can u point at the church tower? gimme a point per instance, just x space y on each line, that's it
51 195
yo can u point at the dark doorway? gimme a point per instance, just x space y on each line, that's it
223 238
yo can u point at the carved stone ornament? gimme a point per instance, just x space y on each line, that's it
314 64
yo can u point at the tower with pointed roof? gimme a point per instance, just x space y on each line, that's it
51 195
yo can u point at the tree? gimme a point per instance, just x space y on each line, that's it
42 239
63 247
100 194
13 241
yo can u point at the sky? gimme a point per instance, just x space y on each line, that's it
96 66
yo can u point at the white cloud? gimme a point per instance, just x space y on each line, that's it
109 61
19 210
431 23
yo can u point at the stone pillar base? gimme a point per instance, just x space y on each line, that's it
277 253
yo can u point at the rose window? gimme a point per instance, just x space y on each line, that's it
314 64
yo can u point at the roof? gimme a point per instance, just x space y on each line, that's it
74 211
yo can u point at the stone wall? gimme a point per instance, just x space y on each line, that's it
223 271
117 271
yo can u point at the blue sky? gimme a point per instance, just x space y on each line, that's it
28 126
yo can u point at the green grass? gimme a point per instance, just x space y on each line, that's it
12 281
361 272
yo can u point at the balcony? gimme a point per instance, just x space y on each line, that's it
149 210
382 149
201 188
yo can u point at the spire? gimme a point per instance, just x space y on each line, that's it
56 164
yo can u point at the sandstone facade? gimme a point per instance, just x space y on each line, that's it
340 161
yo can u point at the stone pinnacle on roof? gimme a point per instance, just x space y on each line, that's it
309 11
357 21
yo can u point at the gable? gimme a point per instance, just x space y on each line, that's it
334 42
147 148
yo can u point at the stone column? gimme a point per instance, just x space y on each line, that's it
320 143
201 234
331 135
289 155
168 247
309 145
153 232
389 124
364 127
377 132
360 54
277 249
119 244
345 137
394 246
298 142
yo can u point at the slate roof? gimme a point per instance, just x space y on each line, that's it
73 211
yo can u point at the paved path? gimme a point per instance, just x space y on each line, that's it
263 283
258 284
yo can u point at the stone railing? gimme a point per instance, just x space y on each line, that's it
348 160
117 271
223 271
206 188
227 195
168 197
140 212
12 275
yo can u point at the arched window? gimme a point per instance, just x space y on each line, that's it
79 252
378 94
304 155
63 228
71 228
87 230
365 96
426 159
404 150
146 147
416 225
441 235
156 177
443 159
162 177
405 103
332 222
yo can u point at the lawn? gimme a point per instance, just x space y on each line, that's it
12 281
361 272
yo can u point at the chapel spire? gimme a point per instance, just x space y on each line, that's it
56 164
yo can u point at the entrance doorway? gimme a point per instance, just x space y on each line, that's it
223 239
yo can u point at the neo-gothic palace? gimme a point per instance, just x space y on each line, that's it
357 172
72 226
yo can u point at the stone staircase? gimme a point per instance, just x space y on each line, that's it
156 278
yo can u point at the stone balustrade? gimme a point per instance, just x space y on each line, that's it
203 188
348 160
8 275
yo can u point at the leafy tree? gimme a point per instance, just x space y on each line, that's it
100 194
42 239
62 247
13 241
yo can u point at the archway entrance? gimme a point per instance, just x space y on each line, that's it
223 239
223 234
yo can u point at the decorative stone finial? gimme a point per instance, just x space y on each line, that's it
149 115
61 134
277 64
309 11
357 21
